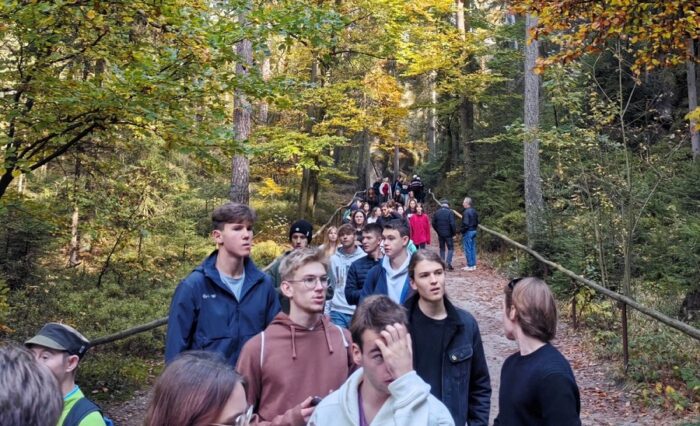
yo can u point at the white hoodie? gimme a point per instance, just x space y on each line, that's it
410 404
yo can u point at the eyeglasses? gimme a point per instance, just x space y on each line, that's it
242 419
513 282
311 280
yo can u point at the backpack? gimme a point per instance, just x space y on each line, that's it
82 408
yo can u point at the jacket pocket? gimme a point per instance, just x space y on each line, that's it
460 359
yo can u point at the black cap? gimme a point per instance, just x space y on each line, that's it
302 227
61 337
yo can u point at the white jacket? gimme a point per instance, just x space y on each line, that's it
410 404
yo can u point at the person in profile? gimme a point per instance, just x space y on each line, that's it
29 392
386 389
198 388
538 386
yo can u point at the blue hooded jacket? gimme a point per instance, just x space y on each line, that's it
204 313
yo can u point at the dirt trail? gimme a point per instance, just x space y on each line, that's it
602 402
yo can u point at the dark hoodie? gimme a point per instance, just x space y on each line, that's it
287 363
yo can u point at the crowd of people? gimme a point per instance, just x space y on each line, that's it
358 331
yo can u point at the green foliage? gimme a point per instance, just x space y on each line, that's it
115 376
264 252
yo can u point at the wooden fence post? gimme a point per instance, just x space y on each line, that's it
625 342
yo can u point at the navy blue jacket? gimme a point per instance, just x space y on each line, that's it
204 313
375 283
466 386
444 223
470 220
356 278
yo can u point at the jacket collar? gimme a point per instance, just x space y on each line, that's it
252 274
452 319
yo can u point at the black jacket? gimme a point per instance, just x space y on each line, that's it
356 278
444 223
466 386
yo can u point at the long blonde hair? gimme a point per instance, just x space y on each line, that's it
328 246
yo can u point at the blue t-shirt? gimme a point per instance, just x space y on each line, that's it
235 284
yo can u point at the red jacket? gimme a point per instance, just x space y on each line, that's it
420 228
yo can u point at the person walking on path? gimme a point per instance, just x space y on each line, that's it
348 252
330 241
420 228
441 334
300 235
300 355
390 277
538 386
470 223
61 348
445 226
372 246
227 299
386 390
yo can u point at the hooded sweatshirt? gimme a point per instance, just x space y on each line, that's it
340 264
287 363
410 404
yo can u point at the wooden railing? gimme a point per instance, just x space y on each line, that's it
623 301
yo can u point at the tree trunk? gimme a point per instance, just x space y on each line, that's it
534 204
264 107
240 175
693 99
466 108
74 251
364 161
397 165
309 180
432 118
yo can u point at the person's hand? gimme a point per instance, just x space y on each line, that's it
307 409
396 349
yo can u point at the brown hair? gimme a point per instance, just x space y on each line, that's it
346 229
536 310
423 255
232 213
397 225
301 257
328 246
375 313
29 395
192 390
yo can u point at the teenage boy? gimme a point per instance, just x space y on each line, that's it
386 390
447 349
300 355
300 235
60 348
372 246
390 277
348 252
29 395
388 214
226 300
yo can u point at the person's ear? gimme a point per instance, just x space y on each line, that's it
216 235
512 313
405 240
413 284
286 288
72 363
357 354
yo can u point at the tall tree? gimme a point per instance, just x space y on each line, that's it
534 203
693 99
242 121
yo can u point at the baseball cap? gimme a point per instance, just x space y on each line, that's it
61 337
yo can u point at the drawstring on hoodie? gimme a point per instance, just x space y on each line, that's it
325 333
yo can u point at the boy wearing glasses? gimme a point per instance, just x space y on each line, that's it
226 300
301 355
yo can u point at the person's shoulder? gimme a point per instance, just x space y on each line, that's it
93 419
438 414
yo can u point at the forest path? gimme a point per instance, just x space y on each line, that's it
602 401
480 292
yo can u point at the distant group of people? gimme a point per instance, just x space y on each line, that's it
359 331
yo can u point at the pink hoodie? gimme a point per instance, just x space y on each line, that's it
287 363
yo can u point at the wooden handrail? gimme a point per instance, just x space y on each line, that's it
162 321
